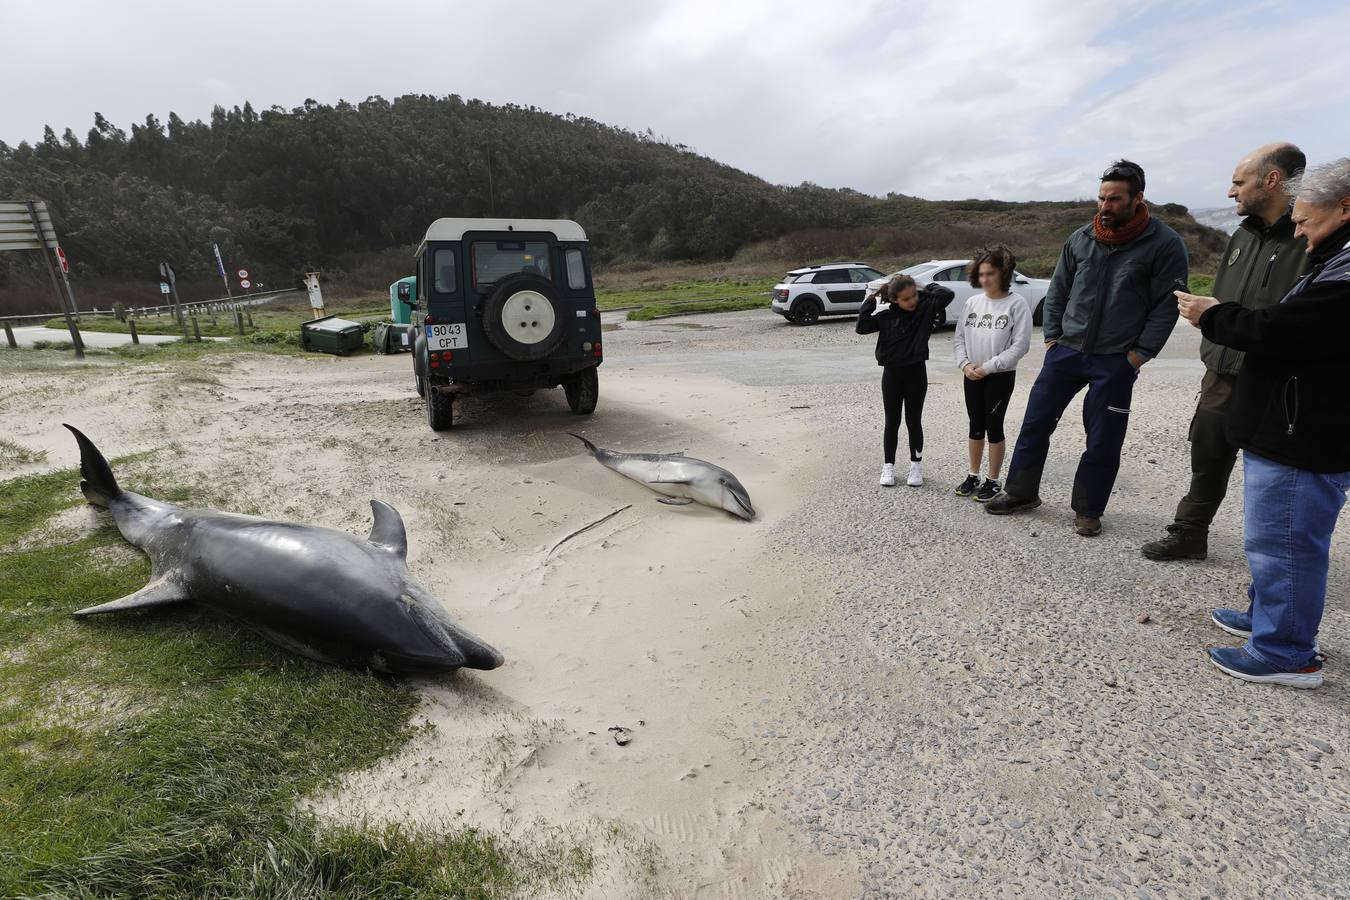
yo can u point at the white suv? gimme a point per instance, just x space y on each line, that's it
837 289
952 274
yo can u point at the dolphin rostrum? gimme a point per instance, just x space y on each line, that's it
315 591
682 479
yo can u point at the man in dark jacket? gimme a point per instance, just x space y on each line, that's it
1261 263
1108 311
1290 414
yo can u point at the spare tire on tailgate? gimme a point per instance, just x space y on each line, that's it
522 317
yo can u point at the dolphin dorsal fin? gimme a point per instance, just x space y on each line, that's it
388 531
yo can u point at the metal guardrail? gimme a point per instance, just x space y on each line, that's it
221 303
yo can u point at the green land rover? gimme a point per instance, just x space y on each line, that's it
504 305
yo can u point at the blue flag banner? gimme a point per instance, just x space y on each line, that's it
220 264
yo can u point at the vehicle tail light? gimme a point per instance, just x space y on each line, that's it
435 364
447 356
428 320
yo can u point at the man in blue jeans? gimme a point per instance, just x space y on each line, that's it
1109 309
1290 415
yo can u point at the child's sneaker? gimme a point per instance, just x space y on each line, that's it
915 476
887 474
967 487
988 491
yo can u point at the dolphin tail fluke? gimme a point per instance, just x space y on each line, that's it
589 446
98 484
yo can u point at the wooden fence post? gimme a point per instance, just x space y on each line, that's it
9 336
135 338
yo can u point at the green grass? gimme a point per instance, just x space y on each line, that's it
281 316
654 299
687 308
277 330
1202 285
162 754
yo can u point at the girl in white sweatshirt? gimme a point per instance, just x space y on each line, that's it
992 335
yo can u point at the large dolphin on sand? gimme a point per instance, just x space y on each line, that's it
321 593
682 479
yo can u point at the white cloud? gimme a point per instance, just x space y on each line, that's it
1021 99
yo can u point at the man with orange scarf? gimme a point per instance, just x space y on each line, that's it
1109 310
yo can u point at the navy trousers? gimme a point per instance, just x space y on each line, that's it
1109 379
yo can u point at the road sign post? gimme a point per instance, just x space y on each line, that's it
65 278
167 273
51 270
220 267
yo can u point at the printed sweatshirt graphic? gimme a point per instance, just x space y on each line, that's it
993 334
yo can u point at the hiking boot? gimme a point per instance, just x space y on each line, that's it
1181 542
1006 504
967 487
915 476
988 491
1087 526
887 474
1239 663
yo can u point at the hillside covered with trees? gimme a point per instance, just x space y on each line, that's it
282 190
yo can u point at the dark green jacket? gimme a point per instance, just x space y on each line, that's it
1105 299
1258 268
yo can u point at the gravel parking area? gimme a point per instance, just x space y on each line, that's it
988 706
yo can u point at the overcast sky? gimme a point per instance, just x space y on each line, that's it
944 99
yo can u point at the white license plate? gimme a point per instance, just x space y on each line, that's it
447 337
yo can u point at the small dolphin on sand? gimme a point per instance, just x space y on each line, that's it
682 479
318 592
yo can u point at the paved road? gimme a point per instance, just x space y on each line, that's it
977 708
27 337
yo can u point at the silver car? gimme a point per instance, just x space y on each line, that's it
952 274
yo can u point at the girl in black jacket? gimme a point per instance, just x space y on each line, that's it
902 317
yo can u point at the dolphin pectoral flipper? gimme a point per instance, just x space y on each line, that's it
160 592
388 531
674 501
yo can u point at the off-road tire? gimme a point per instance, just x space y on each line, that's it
440 409
420 384
582 390
527 318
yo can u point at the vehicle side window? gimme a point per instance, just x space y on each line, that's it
576 270
833 276
494 260
443 265
804 278
956 274
861 276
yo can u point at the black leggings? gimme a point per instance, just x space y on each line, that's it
902 392
987 404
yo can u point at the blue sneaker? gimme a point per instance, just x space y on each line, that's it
1239 663
1232 621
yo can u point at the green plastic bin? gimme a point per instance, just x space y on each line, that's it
332 335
